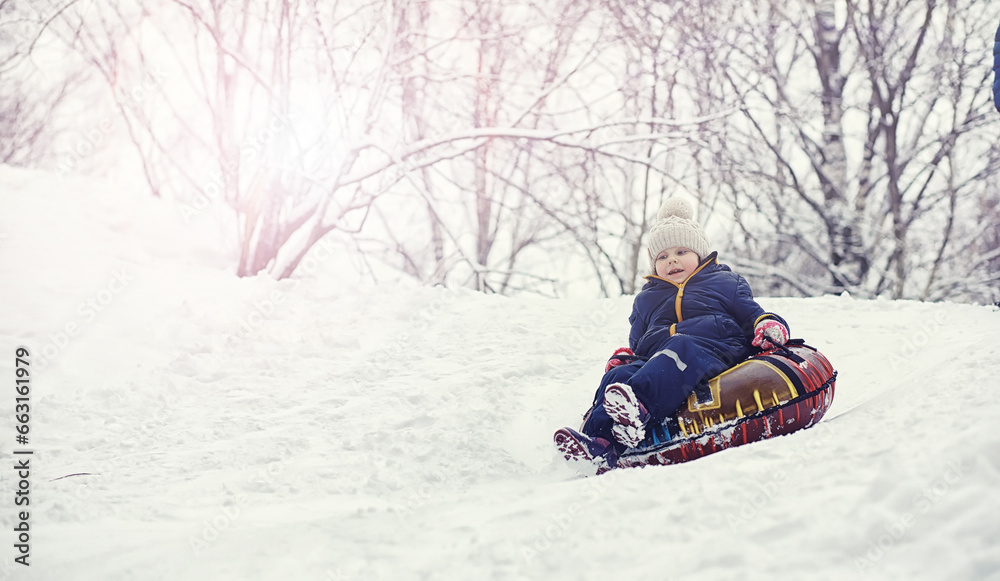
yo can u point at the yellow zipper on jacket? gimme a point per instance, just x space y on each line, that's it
680 289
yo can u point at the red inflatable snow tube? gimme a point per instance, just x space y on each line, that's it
774 393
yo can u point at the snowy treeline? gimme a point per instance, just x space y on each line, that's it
522 146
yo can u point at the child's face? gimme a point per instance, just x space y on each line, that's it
676 263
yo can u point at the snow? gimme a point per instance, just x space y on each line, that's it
187 424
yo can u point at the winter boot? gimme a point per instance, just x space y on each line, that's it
628 413
592 452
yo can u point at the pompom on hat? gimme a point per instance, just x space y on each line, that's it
675 226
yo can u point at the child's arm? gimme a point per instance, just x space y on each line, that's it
637 327
748 313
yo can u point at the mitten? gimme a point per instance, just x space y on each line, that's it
769 334
621 356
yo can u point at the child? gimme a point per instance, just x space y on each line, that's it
693 319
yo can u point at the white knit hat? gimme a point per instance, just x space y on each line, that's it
675 226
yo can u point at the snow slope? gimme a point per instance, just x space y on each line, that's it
186 424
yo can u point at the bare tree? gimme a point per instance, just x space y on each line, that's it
806 89
28 97
290 113
637 155
529 177
465 143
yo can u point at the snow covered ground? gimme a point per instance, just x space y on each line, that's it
186 424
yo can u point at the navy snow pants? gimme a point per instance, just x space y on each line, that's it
661 383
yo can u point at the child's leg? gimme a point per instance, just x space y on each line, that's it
669 377
627 412
599 453
597 423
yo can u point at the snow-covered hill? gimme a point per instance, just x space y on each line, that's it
186 424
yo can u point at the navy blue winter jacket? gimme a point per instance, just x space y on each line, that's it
996 70
714 306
